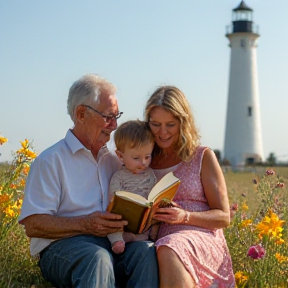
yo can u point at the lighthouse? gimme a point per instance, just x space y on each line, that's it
243 139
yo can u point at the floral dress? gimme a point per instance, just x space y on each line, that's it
203 252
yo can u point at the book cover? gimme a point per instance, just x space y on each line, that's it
139 211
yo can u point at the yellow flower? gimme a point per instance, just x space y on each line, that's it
245 206
240 278
25 150
9 211
271 225
246 223
25 144
13 210
30 154
280 241
26 170
281 258
3 140
4 198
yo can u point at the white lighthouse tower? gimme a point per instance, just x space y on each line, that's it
243 140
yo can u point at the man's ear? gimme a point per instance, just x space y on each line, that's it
80 113
119 154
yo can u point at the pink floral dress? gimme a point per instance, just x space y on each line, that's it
203 252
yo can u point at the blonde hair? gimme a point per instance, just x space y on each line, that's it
88 87
132 134
172 99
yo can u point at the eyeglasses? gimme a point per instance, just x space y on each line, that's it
107 118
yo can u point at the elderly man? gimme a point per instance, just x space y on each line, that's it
66 197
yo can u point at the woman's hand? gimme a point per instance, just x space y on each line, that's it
172 215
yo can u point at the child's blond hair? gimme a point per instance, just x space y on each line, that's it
132 134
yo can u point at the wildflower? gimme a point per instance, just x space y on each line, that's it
280 185
4 198
234 207
271 225
269 172
26 170
280 241
256 252
245 206
9 211
3 140
240 278
30 154
13 186
25 150
246 223
281 258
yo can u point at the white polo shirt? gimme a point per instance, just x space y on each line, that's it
66 180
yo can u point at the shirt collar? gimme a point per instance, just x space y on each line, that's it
75 145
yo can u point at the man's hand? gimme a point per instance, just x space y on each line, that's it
56 227
104 223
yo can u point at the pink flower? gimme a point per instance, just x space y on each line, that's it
256 252
269 172
280 185
234 207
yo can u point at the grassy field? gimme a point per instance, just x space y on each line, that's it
19 268
240 184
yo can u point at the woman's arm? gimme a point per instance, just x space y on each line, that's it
216 194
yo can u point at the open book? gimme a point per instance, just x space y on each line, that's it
137 210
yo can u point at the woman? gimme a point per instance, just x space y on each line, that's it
191 248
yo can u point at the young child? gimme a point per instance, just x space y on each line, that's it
134 144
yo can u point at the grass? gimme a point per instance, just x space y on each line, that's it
240 183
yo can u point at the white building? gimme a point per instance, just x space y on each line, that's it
243 138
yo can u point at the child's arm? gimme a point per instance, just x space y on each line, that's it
115 185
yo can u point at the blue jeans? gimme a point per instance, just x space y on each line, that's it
88 261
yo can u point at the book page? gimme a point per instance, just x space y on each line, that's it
165 182
133 197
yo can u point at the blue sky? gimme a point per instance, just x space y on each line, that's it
137 45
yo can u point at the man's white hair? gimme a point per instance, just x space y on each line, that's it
88 87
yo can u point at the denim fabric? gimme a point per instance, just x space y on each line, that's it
87 261
137 267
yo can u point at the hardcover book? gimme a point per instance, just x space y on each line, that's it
139 211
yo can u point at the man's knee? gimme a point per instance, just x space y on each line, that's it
95 269
96 256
